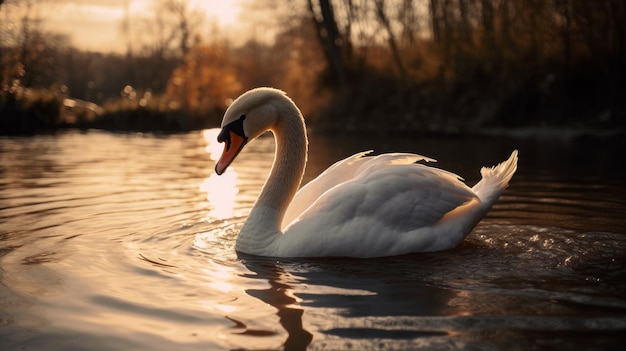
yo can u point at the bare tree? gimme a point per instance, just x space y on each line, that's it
435 20
329 37
23 43
167 30
186 20
391 38
159 42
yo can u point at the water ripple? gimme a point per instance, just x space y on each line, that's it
125 241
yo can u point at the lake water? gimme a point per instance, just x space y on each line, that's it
126 242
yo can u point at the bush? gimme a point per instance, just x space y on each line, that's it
27 111
152 114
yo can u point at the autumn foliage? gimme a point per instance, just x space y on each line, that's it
205 79
448 66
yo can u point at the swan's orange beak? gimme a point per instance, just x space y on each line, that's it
232 146
234 139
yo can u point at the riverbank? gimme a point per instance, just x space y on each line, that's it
575 104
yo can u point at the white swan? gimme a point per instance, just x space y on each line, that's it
362 206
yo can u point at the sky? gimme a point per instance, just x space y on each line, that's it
95 25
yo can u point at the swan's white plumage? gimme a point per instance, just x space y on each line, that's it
390 208
362 206
341 172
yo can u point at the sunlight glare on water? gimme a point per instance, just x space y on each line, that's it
221 193
221 190
126 241
213 148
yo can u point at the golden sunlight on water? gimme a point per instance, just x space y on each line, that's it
221 190
221 193
213 148
223 282
126 241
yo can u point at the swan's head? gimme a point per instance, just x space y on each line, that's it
250 115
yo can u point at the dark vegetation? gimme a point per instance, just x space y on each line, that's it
409 66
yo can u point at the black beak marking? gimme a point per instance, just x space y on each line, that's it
235 127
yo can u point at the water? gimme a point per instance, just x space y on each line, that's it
125 242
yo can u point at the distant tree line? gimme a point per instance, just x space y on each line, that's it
465 34
35 58
430 65
476 63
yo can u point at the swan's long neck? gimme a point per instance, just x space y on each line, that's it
263 226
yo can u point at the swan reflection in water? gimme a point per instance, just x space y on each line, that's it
279 295
325 293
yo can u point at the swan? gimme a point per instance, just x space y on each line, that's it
362 206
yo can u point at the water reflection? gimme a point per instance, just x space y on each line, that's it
221 193
280 295
213 148
426 300
351 300
124 241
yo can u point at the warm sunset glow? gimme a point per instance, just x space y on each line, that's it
96 24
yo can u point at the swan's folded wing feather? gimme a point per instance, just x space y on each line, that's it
336 173
340 172
375 209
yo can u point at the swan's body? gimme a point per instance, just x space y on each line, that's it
362 206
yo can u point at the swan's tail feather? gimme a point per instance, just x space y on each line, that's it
495 180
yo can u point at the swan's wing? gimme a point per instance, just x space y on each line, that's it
340 172
377 211
333 175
